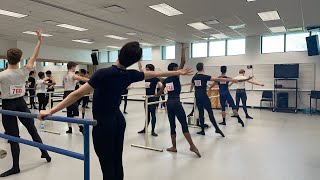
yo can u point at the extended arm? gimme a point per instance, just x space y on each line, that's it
212 85
80 78
35 54
140 66
152 74
183 57
256 83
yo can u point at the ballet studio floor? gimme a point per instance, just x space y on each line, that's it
273 146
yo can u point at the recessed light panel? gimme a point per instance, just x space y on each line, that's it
278 29
11 14
166 9
85 41
199 26
34 33
115 37
68 26
219 36
269 15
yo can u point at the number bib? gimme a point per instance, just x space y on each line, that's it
147 84
17 90
197 83
170 86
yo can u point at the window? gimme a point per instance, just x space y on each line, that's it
2 64
199 50
217 48
58 64
147 54
236 47
104 56
113 56
45 64
296 42
273 43
169 52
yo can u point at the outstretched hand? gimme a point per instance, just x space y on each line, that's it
43 114
39 35
186 71
250 77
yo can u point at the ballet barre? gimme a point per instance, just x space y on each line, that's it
86 122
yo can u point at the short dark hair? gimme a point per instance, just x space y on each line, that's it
14 56
71 65
41 75
172 66
200 66
83 71
130 53
223 69
241 71
150 67
48 72
31 73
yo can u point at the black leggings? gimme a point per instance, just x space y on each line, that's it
108 137
42 101
32 93
242 95
152 113
11 127
73 109
175 109
204 103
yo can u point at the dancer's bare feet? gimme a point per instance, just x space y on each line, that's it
172 149
195 150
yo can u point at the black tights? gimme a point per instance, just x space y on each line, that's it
108 138
125 102
152 113
175 109
11 127
205 104
242 95
42 101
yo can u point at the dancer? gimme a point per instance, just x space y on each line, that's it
150 85
200 82
108 135
124 96
225 96
175 108
51 83
12 87
69 84
32 92
41 91
85 99
241 92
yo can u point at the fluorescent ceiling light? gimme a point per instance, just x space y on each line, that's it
114 47
146 44
278 29
68 26
85 41
199 26
131 33
237 26
219 36
210 38
211 22
116 37
295 29
11 14
34 33
166 9
250 0
269 15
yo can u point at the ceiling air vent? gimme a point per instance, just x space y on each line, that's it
115 9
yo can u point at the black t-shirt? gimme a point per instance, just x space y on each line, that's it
173 86
109 83
151 85
32 82
49 86
200 84
223 86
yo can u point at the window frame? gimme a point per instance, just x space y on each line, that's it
227 44
151 54
225 48
163 52
191 52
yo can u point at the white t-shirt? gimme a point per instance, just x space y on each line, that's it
12 82
41 88
69 82
240 85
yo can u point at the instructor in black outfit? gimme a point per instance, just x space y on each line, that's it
32 92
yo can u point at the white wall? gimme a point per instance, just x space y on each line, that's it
55 53
5 45
252 57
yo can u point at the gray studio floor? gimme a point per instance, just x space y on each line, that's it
273 146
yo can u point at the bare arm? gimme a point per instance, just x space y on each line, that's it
152 74
191 87
80 78
256 83
72 98
160 91
140 66
242 80
35 54
183 57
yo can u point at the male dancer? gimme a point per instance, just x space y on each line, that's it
108 135
241 92
225 96
151 85
12 81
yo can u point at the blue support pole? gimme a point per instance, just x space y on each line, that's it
86 152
